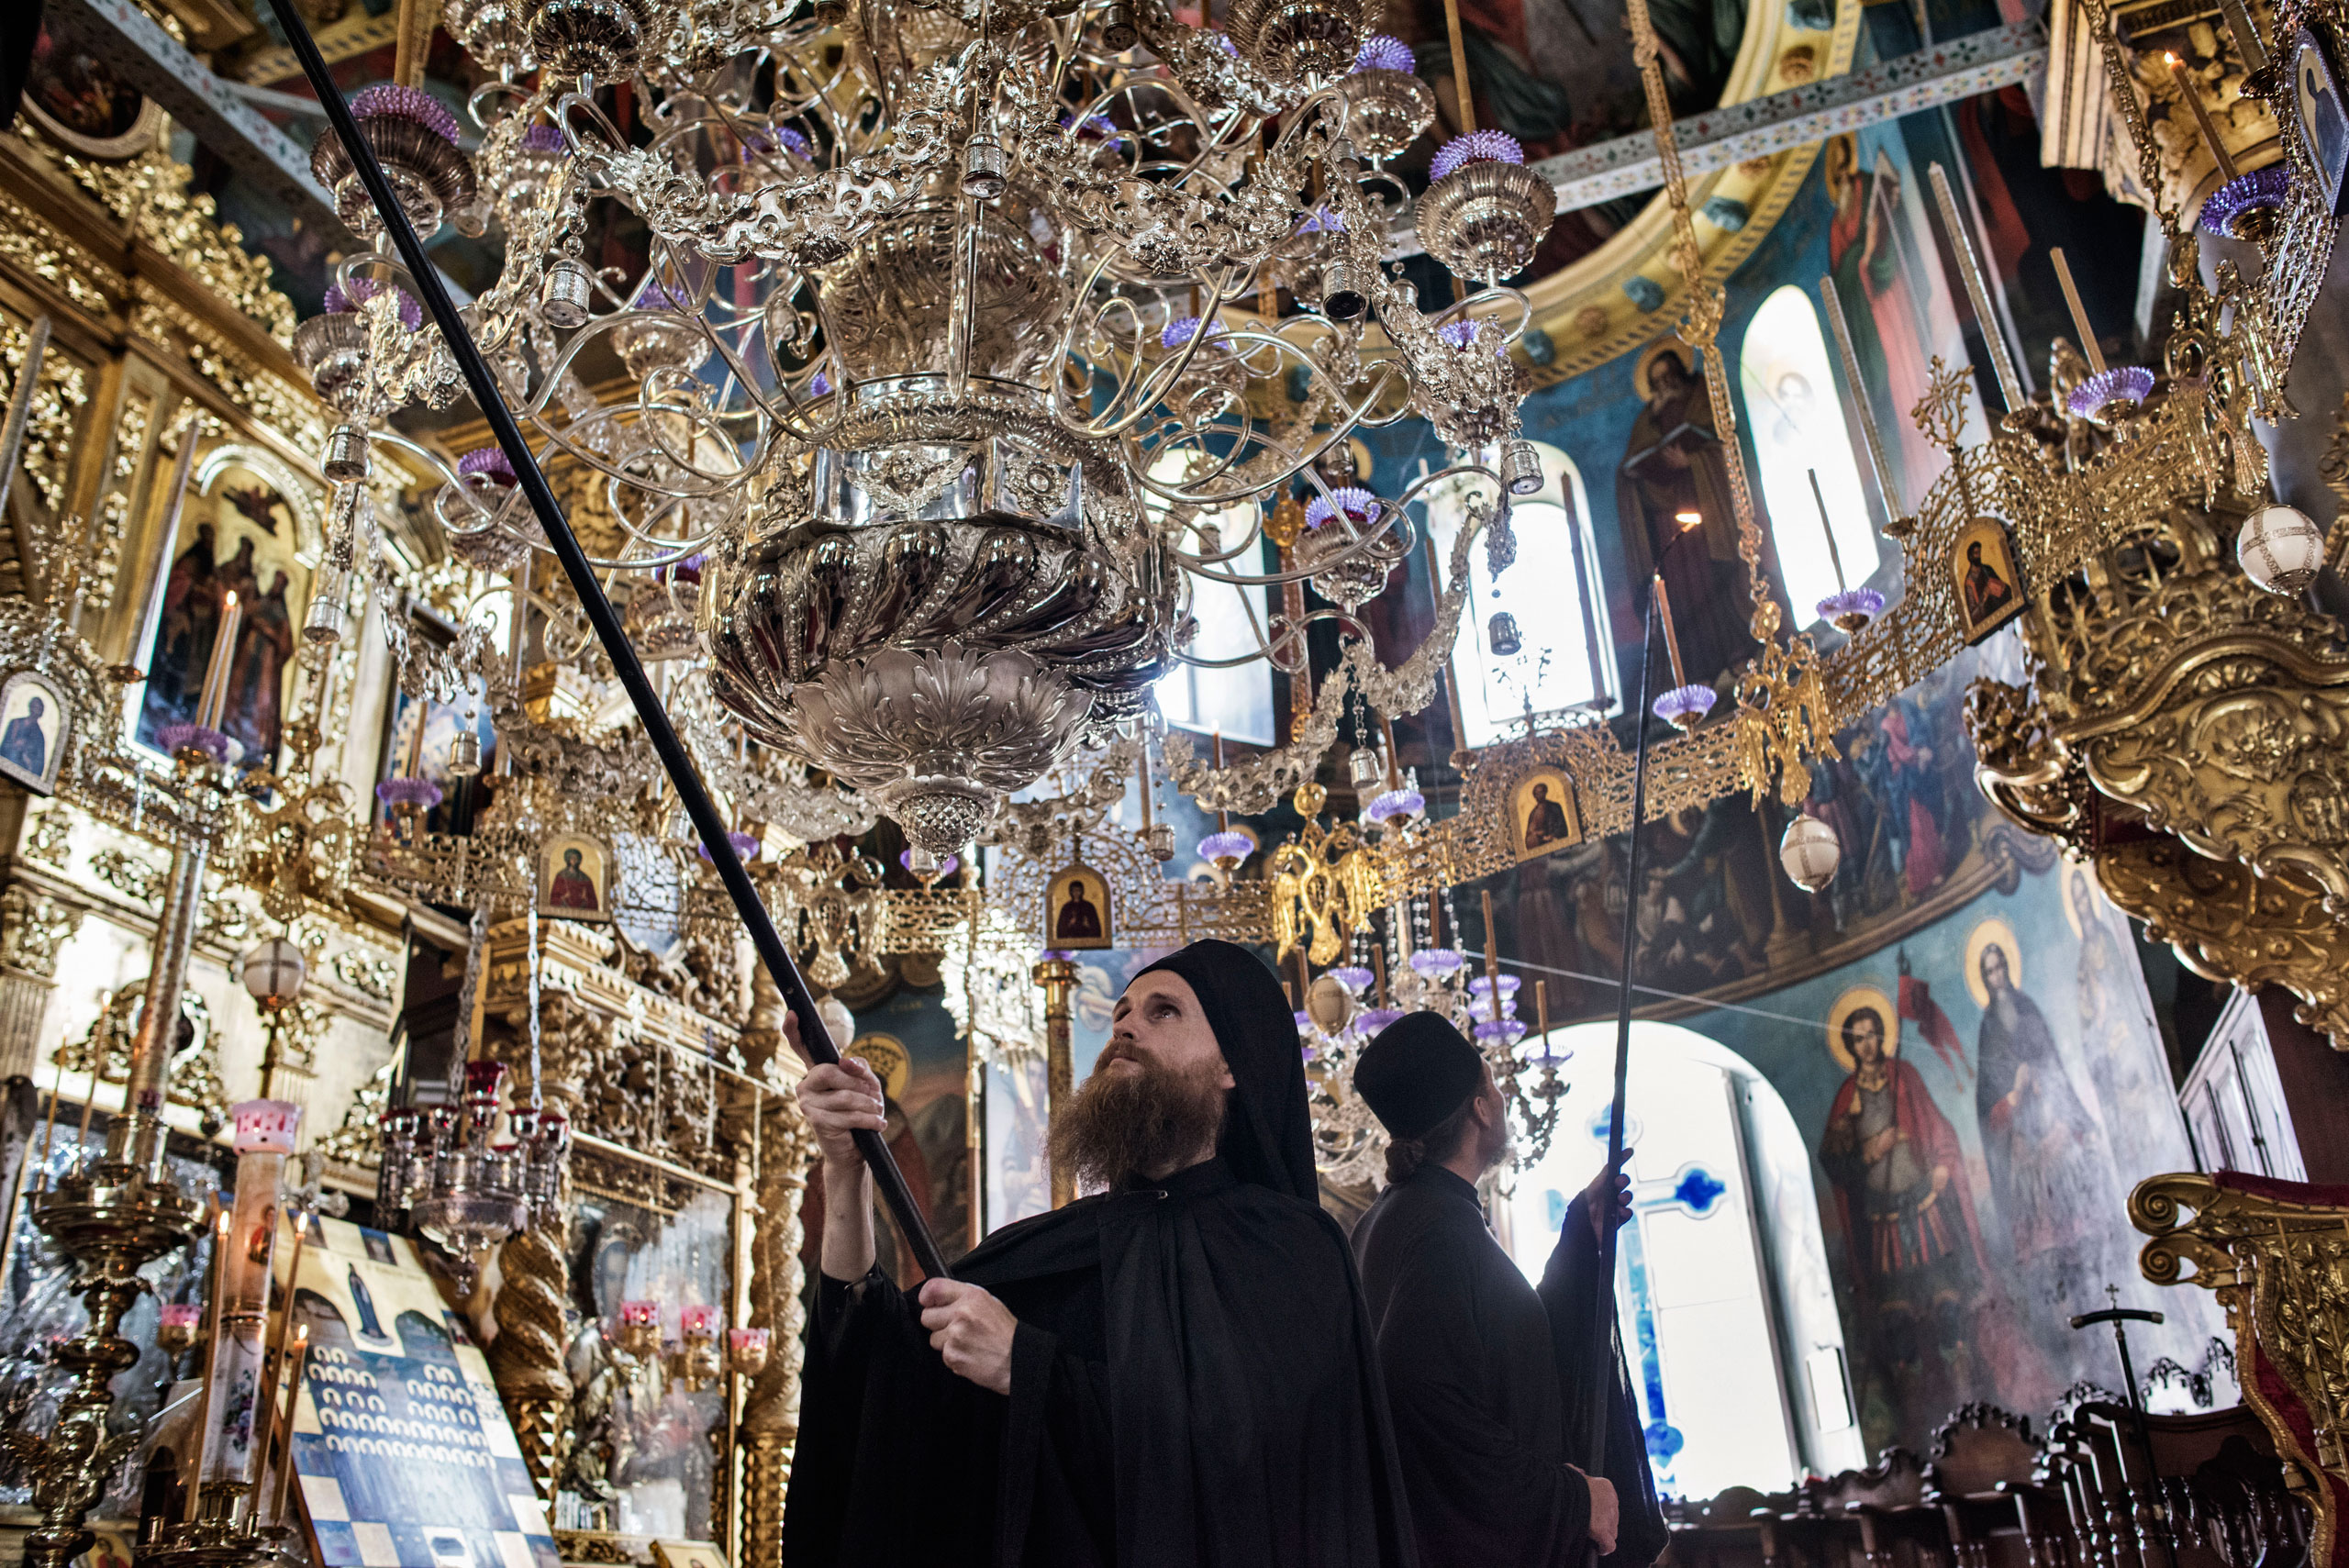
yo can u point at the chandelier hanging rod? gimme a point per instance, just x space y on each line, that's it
699 807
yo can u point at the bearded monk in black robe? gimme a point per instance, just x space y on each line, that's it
1174 1371
1487 1377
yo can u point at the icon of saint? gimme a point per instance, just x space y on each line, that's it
1545 822
572 888
1079 917
24 742
1986 593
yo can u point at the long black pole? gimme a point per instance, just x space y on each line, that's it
1602 1348
813 1035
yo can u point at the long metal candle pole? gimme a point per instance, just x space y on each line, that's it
1977 291
1871 439
20 401
674 761
1602 1347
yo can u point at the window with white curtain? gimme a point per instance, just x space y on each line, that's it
1564 659
1797 419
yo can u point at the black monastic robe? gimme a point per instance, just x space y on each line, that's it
1193 1379
1485 1375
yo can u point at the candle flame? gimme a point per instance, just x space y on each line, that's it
2173 62
302 1335
232 596
1688 520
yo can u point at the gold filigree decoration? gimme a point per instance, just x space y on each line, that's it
2279 1265
150 195
1322 885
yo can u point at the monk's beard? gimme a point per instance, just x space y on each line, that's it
1121 1125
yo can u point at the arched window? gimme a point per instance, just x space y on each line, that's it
1721 1289
1798 423
1236 700
1564 661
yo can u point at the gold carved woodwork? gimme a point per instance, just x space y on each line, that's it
528 1357
2171 695
2280 1268
2226 924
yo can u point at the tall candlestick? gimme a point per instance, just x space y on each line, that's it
2210 139
2088 345
1834 556
1378 968
1492 955
1459 67
2246 35
1671 643
1541 1014
196 1468
293 1404
1871 440
48 1128
1222 818
215 673
1969 267
1394 768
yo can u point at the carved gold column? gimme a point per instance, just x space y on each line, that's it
527 1358
1058 977
32 927
770 1425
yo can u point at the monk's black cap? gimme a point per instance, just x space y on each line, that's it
1416 1072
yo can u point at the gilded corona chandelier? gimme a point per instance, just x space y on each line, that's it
962 359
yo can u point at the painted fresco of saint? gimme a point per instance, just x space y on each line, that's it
1898 767
2044 1152
1905 1209
1863 254
1672 499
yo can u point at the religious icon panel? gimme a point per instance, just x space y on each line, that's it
1076 909
2324 120
34 724
1982 569
1541 815
575 878
248 539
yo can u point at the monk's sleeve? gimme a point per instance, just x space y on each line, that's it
1059 1420
1591 1369
855 1322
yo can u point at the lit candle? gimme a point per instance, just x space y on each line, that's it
1671 642
2216 148
1541 1014
215 674
2089 344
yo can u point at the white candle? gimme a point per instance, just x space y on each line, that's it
215 674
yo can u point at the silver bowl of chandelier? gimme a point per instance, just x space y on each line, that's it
332 345
1484 214
1387 107
414 139
942 605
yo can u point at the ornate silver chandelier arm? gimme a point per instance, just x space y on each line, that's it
808 220
1258 784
